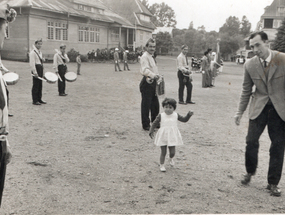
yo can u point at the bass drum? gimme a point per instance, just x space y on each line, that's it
51 77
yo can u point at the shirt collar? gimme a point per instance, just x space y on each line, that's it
268 59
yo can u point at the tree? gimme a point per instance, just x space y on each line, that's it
245 26
279 42
231 26
164 15
163 42
145 3
191 25
230 44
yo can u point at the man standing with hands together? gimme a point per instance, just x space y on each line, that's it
148 84
265 71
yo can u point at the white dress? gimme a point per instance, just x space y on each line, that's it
168 134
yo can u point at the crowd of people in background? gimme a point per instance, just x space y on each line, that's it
103 55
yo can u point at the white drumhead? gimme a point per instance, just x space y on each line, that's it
11 78
70 76
51 77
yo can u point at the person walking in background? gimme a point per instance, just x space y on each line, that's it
265 73
6 15
168 134
37 69
78 61
205 68
117 60
125 59
184 76
148 84
59 64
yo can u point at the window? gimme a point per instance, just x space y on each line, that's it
80 7
64 32
92 35
268 23
80 35
281 9
144 18
57 31
97 35
88 34
115 35
50 30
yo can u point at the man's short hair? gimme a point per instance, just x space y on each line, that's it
62 46
262 34
184 46
38 41
150 40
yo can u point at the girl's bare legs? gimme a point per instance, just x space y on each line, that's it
171 154
163 154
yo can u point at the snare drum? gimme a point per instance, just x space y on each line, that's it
11 78
50 77
70 76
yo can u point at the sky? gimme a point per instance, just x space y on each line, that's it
213 13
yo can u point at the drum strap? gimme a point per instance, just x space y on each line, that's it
39 57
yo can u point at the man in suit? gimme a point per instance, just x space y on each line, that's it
265 71
184 76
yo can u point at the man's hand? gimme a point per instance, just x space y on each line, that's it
156 77
35 74
237 118
151 134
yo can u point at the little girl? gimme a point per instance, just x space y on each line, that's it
168 133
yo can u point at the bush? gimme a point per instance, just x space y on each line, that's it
84 58
72 54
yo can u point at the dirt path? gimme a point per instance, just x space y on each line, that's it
87 153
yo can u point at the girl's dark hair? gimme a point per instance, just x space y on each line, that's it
169 101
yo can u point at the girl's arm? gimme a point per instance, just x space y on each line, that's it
154 125
185 118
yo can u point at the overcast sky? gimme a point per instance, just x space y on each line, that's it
213 13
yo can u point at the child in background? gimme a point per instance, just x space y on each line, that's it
168 134
78 61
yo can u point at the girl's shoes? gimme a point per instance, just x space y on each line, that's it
162 168
172 163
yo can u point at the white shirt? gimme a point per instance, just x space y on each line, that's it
34 58
182 63
57 60
268 59
148 65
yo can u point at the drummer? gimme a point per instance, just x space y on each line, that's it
59 64
6 15
37 69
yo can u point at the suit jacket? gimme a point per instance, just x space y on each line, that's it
273 88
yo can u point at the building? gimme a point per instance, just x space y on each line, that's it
80 24
137 14
272 18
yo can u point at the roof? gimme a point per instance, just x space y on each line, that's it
130 9
271 11
67 6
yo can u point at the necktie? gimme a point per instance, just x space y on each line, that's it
265 64
186 60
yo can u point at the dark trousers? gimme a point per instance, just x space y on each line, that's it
276 131
184 81
149 102
37 85
61 84
3 152
117 65
126 65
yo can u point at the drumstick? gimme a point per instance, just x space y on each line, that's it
59 77
40 78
